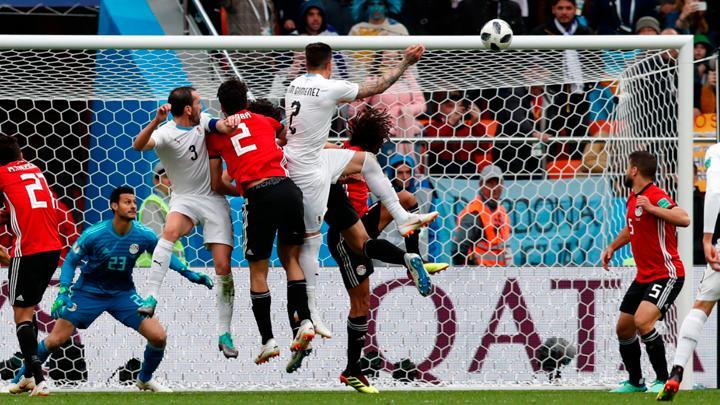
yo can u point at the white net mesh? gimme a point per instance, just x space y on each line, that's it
559 124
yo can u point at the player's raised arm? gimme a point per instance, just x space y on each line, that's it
673 215
621 240
144 140
412 55
67 275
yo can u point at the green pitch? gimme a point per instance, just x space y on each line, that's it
388 397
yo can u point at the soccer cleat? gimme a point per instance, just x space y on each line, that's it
656 386
626 387
359 382
226 346
147 308
420 277
152 386
24 384
435 268
667 393
296 360
415 222
40 390
269 350
303 337
319 326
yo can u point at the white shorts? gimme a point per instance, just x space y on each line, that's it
213 212
709 286
315 184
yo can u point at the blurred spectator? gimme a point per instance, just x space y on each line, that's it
687 18
288 18
708 97
311 20
702 49
483 226
373 19
617 16
403 101
249 17
475 13
564 22
339 13
457 118
664 9
429 17
647 26
153 212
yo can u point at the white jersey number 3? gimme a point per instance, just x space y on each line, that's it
235 139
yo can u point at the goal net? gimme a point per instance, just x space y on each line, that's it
557 118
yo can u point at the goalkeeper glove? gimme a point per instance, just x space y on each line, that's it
199 278
62 303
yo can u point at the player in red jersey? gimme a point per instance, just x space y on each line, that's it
31 214
274 205
652 218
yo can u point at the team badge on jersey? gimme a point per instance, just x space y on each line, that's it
361 270
638 211
134 249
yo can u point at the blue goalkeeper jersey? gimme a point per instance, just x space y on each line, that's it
107 259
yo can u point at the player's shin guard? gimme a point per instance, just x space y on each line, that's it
160 264
630 353
690 332
380 185
381 249
28 346
153 357
298 299
357 329
225 301
261 309
655 348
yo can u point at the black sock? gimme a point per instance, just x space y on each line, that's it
630 353
261 309
297 299
292 311
357 329
384 251
412 242
28 346
655 348
677 373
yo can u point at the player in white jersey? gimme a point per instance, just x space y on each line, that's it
310 104
180 145
709 292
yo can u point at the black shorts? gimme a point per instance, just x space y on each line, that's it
29 277
274 206
354 268
661 293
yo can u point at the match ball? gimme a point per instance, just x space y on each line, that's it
496 34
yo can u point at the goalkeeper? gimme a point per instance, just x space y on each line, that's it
109 251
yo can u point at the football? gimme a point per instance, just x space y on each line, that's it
496 34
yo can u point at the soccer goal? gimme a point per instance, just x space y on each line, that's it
557 115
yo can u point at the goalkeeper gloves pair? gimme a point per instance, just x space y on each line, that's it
62 303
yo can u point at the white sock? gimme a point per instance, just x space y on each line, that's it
310 265
160 264
225 301
380 185
689 335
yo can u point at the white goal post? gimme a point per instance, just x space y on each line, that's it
129 71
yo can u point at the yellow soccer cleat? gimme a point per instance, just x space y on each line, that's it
358 382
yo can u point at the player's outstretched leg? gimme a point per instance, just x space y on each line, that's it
225 297
630 353
151 329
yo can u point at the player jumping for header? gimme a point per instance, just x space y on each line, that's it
652 218
310 104
108 251
180 145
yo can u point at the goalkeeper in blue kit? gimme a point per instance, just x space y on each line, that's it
108 251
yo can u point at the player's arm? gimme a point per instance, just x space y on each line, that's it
711 211
217 181
411 56
67 275
144 139
621 240
672 214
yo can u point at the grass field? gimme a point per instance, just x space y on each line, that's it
388 397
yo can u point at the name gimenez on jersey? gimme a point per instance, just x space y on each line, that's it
304 91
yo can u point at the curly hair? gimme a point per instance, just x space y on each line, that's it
267 108
370 129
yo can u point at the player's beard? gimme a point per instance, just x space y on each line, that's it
628 181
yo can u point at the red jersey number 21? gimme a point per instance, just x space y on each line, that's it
235 139
33 188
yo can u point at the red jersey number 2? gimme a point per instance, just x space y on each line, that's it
33 188
235 139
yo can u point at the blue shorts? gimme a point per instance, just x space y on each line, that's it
122 306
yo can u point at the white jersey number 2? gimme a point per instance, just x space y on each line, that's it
235 139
